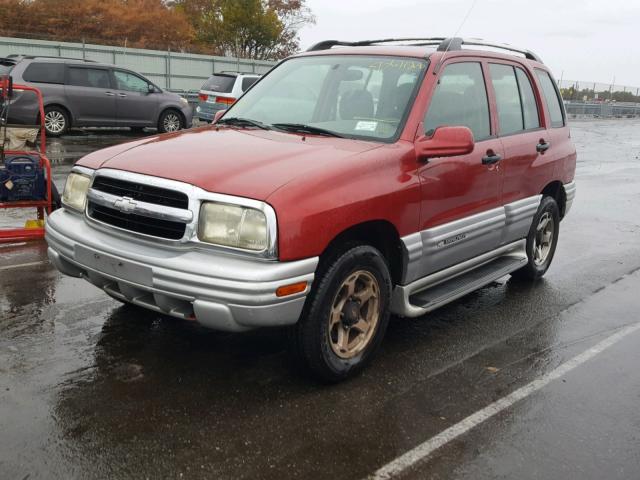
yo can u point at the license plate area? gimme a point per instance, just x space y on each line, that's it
113 266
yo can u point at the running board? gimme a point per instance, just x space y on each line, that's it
438 289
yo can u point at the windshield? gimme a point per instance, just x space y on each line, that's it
350 95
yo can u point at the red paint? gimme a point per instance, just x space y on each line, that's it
321 186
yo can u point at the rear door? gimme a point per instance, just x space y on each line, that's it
461 214
136 105
90 95
526 168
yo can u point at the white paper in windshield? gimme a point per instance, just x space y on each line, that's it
366 126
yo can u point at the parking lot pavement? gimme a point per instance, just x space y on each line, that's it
92 389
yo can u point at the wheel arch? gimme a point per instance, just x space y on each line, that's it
170 108
556 191
380 234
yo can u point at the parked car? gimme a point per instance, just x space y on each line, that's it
396 180
220 91
79 93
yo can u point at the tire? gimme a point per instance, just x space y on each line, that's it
56 121
540 254
170 121
316 341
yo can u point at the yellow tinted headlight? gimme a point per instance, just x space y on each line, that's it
233 226
75 191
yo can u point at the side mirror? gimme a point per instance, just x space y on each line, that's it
151 88
217 116
445 142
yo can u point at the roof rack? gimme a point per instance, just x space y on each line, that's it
19 57
443 44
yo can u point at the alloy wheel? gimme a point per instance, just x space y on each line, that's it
543 239
55 122
354 314
171 122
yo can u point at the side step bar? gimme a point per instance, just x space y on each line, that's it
438 289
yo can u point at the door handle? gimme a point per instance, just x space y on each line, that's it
110 94
491 158
542 146
122 94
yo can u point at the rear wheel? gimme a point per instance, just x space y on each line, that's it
170 121
56 121
345 316
541 241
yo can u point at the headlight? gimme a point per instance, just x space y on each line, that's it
75 191
233 226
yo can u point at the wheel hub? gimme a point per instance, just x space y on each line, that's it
351 313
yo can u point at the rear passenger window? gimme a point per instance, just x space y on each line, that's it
88 77
247 82
552 98
44 73
529 106
460 99
505 86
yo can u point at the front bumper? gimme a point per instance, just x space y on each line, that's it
220 291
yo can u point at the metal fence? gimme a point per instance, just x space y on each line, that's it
170 70
593 99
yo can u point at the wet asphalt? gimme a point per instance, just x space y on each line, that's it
92 389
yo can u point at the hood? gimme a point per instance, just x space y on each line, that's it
243 162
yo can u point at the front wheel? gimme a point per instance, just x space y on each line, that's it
345 316
56 121
541 241
170 121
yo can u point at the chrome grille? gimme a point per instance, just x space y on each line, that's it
139 207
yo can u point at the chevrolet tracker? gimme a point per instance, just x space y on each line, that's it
351 183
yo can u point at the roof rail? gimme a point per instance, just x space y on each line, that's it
19 57
456 43
443 44
327 44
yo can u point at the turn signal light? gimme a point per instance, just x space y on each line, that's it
203 97
291 289
225 100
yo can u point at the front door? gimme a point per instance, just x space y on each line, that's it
90 96
136 105
461 214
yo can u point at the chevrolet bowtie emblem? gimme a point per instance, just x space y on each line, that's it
125 205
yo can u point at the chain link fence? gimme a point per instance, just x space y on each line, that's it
593 99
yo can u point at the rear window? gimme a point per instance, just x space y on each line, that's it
220 83
39 72
247 82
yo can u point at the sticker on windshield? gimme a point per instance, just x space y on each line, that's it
366 126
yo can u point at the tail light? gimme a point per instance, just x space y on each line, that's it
225 100
203 97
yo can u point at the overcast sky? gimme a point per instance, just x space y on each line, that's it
586 39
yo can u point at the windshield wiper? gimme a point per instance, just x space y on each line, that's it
243 122
302 128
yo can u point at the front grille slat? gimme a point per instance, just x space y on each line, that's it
142 192
135 222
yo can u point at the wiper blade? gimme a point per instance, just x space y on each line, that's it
302 128
243 122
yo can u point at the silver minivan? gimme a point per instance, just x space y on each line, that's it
82 93
220 91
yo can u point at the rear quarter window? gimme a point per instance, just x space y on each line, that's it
552 98
247 82
220 83
39 72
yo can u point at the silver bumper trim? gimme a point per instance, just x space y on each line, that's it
221 291
570 194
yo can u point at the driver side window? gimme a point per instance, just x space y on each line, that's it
460 99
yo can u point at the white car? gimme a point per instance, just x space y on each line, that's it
220 91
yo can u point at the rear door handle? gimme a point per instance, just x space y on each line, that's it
491 158
110 94
122 94
542 146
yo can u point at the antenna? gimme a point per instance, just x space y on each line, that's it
454 39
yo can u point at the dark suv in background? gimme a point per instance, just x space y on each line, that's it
83 93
